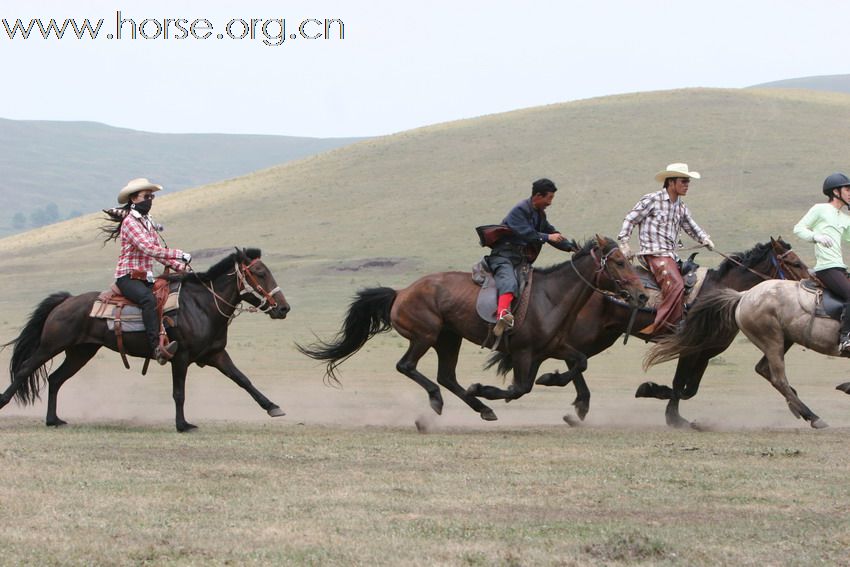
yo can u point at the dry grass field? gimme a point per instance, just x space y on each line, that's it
346 477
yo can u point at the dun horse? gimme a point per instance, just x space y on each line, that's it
208 301
438 311
773 315
603 319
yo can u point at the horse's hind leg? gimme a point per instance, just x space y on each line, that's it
407 366
75 358
525 369
772 367
448 348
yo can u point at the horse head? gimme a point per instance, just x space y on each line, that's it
788 265
257 285
611 262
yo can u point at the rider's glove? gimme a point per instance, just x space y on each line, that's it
824 240
709 244
627 252
186 257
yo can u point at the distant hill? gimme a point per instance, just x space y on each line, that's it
831 83
55 170
389 209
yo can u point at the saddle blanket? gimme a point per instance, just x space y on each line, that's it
131 315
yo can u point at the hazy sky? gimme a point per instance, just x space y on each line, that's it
400 64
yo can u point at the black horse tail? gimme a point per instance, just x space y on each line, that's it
25 346
368 315
503 359
709 324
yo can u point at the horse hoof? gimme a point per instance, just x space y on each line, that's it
55 423
437 406
644 390
186 427
488 415
679 423
582 409
276 412
845 387
819 424
571 420
549 379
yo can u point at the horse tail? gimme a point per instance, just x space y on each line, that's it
368 315
503 359
25 346
710 323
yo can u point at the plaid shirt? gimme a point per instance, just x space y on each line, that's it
660 221
140 247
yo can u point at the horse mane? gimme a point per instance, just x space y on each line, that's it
218 269
584 250
750 258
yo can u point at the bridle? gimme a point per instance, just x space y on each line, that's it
601 263
247 284
777 261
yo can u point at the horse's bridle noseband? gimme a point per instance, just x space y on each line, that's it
248 284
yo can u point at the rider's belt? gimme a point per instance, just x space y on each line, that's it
141 275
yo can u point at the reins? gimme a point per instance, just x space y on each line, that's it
247 284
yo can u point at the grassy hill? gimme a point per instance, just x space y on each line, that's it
57 170
830 83
412 200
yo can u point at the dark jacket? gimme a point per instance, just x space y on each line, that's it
530 230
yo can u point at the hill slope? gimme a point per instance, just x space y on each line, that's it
414 198
830 83
78 167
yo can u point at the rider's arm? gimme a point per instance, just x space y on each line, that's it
803 229
519 219
693 230
634 217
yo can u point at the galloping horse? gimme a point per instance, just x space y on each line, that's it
438 311
773 315
208 302
602 320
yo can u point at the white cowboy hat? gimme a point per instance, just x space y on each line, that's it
676 170
134 186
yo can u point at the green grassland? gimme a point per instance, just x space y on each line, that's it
344 478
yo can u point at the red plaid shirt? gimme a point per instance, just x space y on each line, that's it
140 247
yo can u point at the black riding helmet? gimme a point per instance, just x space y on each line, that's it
835 181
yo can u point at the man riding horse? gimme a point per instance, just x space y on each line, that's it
660 216
140 246
529 229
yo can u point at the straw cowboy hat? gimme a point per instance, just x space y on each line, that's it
676 170
134 186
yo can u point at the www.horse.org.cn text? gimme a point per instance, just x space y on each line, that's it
269 31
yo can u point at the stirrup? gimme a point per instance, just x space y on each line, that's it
844 344
505 322
163 354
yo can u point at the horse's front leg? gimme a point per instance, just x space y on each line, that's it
222 361
179 367
525 369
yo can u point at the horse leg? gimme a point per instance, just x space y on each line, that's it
448 348
222 361
576 365
75 358
772 367
525 368
686 381
179 367
407 366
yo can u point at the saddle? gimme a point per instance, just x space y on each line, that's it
826 304
487 301
692 275
124 316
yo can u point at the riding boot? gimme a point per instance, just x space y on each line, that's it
844 336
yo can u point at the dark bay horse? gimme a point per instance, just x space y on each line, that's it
602 320
438 311
208 302
774 315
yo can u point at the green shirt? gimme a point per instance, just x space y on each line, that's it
825 219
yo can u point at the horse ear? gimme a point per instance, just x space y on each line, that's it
773 242
600 240
240 254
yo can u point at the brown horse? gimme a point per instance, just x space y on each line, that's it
208 302
603 319
438 311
